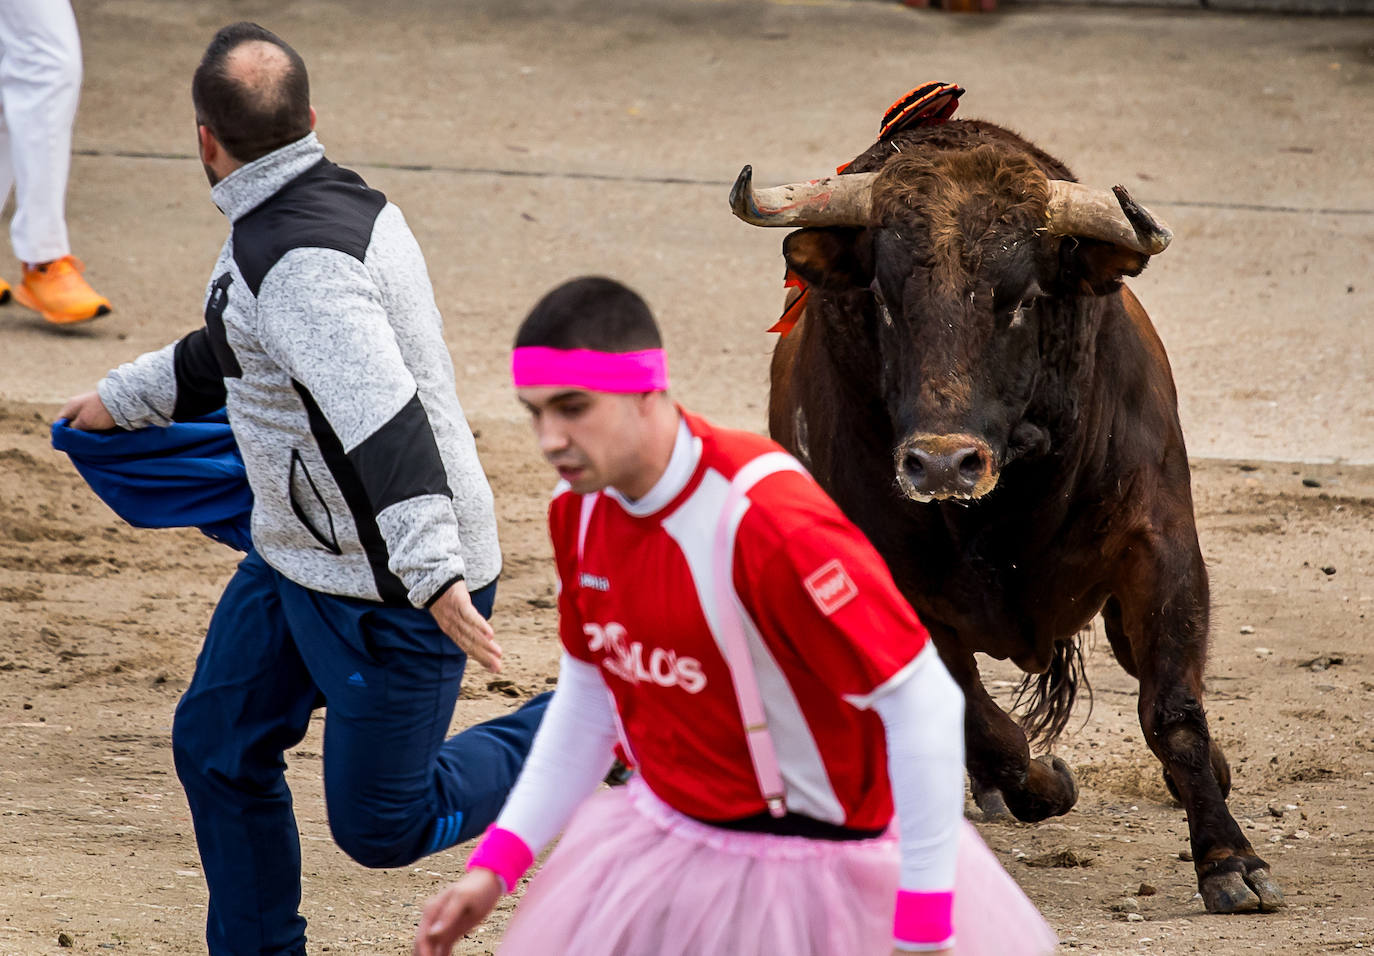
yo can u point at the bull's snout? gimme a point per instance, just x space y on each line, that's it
958 472
945 466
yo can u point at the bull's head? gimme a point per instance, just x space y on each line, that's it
960 261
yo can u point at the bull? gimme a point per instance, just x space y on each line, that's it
974 385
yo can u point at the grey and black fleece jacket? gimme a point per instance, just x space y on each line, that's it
323 340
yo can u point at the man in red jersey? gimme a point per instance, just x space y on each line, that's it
773 691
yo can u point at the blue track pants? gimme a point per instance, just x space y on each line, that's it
395 789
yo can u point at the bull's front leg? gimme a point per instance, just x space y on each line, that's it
1159 618
996 752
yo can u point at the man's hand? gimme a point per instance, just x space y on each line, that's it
454 911
468 628
87 413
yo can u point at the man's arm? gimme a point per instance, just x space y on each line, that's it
321 318
923 717
180 381
858 646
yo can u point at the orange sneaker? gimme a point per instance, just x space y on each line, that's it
4 292
57 291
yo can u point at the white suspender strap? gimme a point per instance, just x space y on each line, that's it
730 624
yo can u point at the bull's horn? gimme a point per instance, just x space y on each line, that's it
1078 210
833 201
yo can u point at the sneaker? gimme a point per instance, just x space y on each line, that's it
57 292
4 292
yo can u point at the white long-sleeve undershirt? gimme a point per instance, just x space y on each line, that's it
571 753
924 719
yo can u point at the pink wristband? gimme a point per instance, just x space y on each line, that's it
505 854
923 917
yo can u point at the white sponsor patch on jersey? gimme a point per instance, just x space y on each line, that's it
831 587
594 581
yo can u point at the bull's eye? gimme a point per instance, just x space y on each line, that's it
1017 316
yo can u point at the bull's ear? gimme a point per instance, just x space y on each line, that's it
835 257
1094 267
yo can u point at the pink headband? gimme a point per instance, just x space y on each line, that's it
537 367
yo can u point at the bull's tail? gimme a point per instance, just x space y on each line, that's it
1048 698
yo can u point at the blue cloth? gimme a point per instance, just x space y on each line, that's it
189 474
395 789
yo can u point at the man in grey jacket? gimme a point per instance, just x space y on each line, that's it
375 555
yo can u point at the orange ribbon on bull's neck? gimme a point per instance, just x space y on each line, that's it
790 315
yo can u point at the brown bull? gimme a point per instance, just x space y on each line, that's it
976 388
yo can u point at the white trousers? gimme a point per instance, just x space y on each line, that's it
40 83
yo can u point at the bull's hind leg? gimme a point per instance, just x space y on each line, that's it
997 755
1157 625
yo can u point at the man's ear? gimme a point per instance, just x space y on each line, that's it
1093 267
209 146
836 257
312 117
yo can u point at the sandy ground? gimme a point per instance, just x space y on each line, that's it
529 142
102 628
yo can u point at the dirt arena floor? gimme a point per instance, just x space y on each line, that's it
529 142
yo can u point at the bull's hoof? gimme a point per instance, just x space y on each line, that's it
1227 893
1062 770
1266 888
1050 791
1235 892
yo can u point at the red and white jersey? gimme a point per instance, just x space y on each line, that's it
828 632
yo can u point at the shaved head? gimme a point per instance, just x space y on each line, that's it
251 91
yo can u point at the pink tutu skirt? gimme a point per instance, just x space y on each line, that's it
633 877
